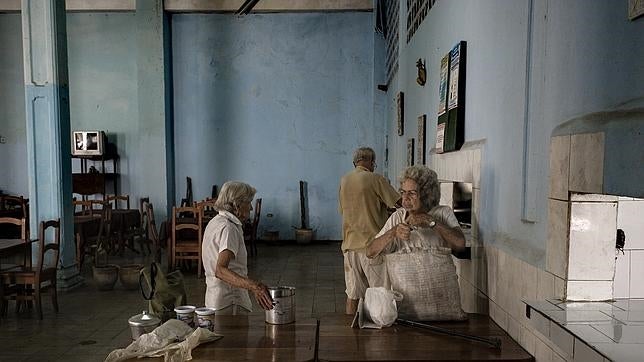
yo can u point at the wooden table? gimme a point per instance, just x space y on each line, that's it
85 227
249 338
339 342
124 221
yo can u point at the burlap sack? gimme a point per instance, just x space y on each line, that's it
424 272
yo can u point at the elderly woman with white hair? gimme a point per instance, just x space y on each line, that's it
417 241
420 193
224 254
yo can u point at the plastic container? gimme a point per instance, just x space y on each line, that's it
143 323
206 318
186 313
283 311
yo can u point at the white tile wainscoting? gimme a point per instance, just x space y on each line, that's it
629 265
583 223
496 282
594 331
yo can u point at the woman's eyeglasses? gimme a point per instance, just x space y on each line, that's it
412 194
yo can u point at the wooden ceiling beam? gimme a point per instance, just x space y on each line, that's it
10 6
268 6
209 6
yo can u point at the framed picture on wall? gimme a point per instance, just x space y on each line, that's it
400 112
422 121
635 9
410 152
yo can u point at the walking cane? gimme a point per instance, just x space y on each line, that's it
493 342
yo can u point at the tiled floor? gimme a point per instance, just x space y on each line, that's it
614 329
91 324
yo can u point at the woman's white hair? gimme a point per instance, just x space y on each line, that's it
233 194
429 190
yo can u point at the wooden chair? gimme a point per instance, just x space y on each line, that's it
14 207
90 244
125 229
206 207
143 209
21 223
115 200
27 283
250 228
153 234
141 233
187 201
23 226
186 236
84 208
19 203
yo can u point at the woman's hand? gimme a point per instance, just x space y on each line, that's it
402 231
421 220
262 296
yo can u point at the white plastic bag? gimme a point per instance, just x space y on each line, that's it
378 308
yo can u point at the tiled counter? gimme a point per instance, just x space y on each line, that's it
592 331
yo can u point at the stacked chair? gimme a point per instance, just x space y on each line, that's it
186 236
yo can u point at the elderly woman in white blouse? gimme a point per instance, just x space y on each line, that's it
418 240
420 193
224 254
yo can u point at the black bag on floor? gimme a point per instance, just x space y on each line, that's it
165 292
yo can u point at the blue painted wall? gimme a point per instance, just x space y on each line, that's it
585 56
270 100
103 95
102 83
13 154
103 77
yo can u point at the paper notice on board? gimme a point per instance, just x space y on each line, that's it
442 85
440 137
455 56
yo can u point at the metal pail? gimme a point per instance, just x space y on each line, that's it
283 311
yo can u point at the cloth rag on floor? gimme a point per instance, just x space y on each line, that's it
174 340
378 308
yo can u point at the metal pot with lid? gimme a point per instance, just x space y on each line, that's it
143 323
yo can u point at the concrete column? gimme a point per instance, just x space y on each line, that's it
154 84
44 37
